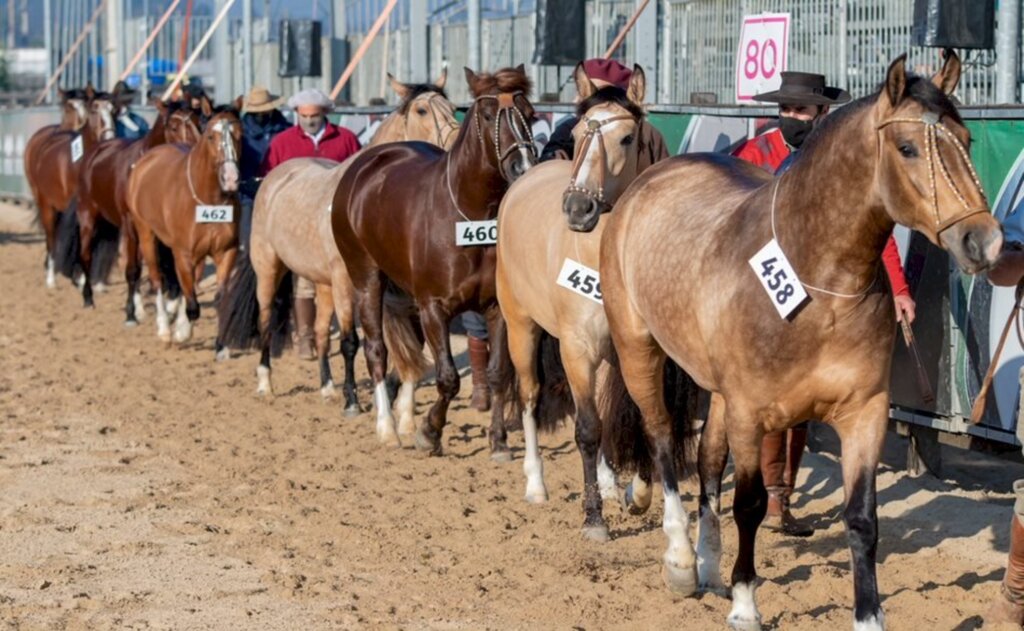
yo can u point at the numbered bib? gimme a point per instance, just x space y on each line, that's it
579 278
215 214
470 233
779 280
77 149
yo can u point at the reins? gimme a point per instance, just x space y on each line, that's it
590 134
978 409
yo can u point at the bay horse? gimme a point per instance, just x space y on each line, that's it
184 198
687 276
543 228
291 233
103 188
394 218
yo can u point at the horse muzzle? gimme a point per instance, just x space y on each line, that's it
229 177
974 243
582 211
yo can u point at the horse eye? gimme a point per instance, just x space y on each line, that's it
907 150
627 141
422 111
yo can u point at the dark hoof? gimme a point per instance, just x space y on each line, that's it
352 410
427 444
502 455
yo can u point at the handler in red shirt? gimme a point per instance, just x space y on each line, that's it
313 136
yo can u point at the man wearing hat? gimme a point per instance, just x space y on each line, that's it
128 124
804 100
312 136
261 121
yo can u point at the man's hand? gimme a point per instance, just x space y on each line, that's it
905 308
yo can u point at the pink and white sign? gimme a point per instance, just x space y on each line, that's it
764 43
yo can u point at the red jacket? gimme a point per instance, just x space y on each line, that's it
336 144
768 150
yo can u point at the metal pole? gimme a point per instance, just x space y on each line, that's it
419 49
149 40
222 59
473 28
199 48
1008 51
113 52
345 76
48 41
74 48
844 78
247 52
625 30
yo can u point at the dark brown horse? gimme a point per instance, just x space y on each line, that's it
395 216
103 192
768 293
184 198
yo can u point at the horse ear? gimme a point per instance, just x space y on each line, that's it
62 95
400 88
521 69
206 106
637 89
161 107
90 92
896 79
470 80
238 103
585 88
948 78
443 79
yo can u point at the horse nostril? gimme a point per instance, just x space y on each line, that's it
973 246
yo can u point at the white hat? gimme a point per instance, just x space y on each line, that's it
311 96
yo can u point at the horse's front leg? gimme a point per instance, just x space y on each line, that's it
497 333
185 266
714 452
322 336
342 297
225 262
861 429
435 320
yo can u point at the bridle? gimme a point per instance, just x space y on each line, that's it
185 117
933 130
227 148
81 113
443 132
107 116
512 114
592 133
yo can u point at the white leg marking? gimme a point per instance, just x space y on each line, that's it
873 623
405 406
263 385
744 615
140 307
328 391
680 560
709 550
80 282
174 305
640 494
385 422
223 355
163 325
182 325
533 467
51 273
606 481
100 287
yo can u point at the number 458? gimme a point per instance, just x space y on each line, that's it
774 279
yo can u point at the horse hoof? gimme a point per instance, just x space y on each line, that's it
352 410
597 533
408 440
680 580
264 393
743 624
131 324
328 393
537 497
426 444
502 455
223 354
632 505
165 338
716 587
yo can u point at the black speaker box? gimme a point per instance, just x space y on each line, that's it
561 32
954 23
300 49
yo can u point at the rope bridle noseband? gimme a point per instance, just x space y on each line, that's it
81 114
522 133
590 133
227 148
933 130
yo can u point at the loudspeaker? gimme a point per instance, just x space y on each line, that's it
954 23
300 49
561 32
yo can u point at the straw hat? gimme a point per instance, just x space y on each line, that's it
260 99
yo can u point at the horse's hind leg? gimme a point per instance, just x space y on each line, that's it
270 273
48 218
322 333
147 243
371 314
185 266
523 335
343 298
435 319
86 229
714 452
224 262
497 333
133 308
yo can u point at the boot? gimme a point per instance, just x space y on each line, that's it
1009 607
478 356
780 461
305 317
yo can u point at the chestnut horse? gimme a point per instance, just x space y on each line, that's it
103 188
394 218
535 243
687 275
292 233
170 187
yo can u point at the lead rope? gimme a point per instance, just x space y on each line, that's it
978 409
451 193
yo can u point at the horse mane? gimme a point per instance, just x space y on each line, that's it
415 91
504 80
221 109
610 94
74 93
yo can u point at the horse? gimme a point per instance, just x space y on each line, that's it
102 190
183 197
767 292
394 217
291 233
557 317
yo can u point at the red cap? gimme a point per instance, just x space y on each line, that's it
609 71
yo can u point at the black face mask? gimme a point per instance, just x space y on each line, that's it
794 130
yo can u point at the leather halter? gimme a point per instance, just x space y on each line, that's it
591 133
522 133
933 130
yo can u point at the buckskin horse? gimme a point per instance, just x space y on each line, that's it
547 286
103 188
183 197
703 257
291 233
395 215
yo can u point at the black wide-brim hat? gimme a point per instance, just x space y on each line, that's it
804 88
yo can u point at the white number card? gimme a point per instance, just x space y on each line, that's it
777 277
77 148
468 233
579 278
215 214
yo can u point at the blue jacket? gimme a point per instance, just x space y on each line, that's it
256 139
123 129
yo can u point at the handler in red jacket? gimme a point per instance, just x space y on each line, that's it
313 136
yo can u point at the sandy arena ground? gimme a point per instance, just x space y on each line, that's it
146 487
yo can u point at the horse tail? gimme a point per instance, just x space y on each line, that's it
169 273
554 400
106 247
623 440
402 337
240 310
68 242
